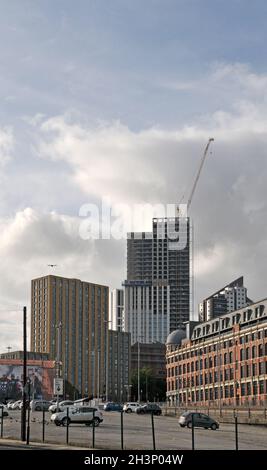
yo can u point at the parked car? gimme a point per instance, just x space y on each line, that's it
149 408
61 406
4 408
9 404
40 405
15 405
131 407
82 415
200 420
21 405
111 406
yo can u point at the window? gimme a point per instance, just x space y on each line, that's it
249 388
261 368
242 371
242 354
230 357
255 388
253 352
260 350
247 353
254 370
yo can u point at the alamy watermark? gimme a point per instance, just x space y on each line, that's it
118 221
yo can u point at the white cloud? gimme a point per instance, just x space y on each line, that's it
225 83
30 241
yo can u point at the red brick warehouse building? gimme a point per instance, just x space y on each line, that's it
220 362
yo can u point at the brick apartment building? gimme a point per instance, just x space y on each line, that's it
220 362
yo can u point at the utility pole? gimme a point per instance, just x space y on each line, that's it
23 409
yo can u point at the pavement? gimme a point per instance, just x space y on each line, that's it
15 444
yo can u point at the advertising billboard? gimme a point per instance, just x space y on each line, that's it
11 381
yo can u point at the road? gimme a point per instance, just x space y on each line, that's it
138 433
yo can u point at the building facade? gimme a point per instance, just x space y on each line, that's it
119 365
220 362
157 289
69 320
116 310
229 298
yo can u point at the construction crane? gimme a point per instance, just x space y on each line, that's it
198 173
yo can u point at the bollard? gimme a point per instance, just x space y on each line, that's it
121 430
153 430
43 423
249 413
264 413
93 430
193 432
236 433
2 421
67 429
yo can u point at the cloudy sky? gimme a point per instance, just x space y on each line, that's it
116 99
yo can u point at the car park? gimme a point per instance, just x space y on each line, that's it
130 407
79 415
111 406
200 420
149 408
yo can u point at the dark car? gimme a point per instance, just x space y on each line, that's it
113 407
149 408
200 420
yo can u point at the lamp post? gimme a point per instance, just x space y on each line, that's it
107 357
138 368
98 375
138 372
58 328
219 363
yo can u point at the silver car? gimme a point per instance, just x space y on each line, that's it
80 415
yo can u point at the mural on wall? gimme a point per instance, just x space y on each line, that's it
11 381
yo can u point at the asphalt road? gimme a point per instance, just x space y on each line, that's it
138 433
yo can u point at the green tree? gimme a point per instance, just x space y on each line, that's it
151 388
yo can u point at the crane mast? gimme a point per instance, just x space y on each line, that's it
198 173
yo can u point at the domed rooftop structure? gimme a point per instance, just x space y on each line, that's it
175 338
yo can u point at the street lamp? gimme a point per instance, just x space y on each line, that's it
98 375
107 356
58 327
138 367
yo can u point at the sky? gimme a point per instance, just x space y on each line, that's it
116 99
